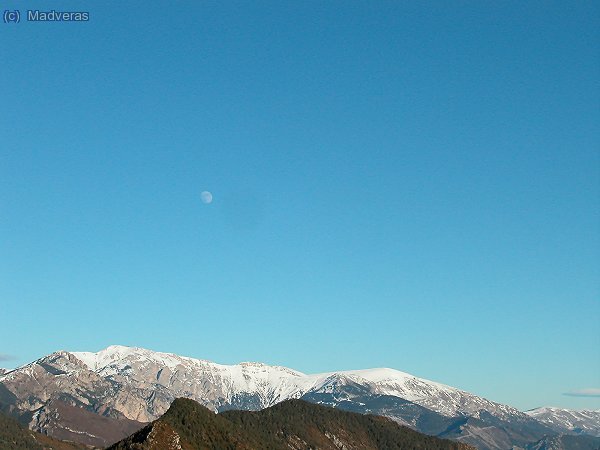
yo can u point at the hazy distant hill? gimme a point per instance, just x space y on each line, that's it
292 424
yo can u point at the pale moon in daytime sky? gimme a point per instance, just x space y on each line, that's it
206 197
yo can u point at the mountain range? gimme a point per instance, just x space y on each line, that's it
100 398
568 421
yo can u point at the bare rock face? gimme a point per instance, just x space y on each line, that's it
155 436
70 423
61 397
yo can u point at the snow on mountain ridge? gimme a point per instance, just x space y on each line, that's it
272 384
568 420
195 378
114 353
544 409
222 386
116 358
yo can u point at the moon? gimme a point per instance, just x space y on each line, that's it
206 197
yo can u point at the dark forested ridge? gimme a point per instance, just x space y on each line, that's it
293 424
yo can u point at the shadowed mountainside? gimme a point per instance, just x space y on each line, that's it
13 436
566 442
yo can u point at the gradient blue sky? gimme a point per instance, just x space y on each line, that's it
405 184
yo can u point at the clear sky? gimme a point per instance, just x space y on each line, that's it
404 184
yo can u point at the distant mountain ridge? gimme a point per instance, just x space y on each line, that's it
568 420
128 386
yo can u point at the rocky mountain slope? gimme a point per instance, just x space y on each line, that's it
13 436
569 421
566 442
112 392
292 424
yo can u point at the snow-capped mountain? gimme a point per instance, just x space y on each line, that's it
136 371
223 385
127 386
568 420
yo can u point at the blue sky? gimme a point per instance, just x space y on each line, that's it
404 184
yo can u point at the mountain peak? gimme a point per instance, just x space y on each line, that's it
115 353
379 374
